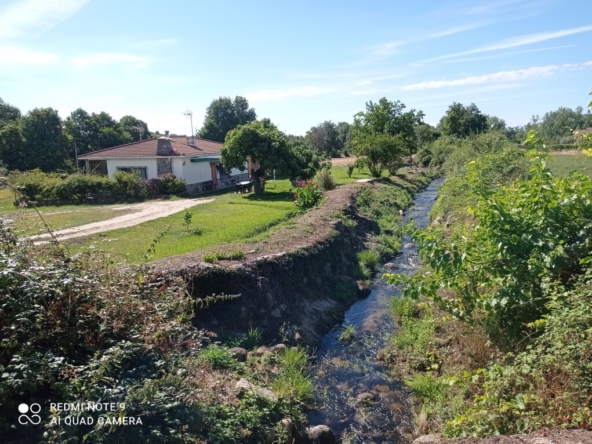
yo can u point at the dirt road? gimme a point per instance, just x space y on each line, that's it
140 212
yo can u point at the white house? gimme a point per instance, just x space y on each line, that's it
190 158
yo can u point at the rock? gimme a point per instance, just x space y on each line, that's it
363 289
262 350
240 269
288 425
321 434
276 313
365 397
243 386
390 266
426 439
279 348
238 353
401 213
409 245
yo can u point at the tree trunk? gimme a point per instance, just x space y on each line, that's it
258 177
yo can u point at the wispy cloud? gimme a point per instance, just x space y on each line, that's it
110 59
455 30
24 18
498 77
508 53
493 7
514 42
12 56
385 49
284 93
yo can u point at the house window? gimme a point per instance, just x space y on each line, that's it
139 171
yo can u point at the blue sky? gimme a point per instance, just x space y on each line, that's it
298 63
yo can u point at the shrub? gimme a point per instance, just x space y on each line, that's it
369 259
215 256
350 170
308 196
166 184
79 186
217 356
325 180
130 185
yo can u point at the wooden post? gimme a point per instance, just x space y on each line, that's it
214 174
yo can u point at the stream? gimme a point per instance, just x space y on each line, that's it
355 396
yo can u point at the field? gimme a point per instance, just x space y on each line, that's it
230 217
563 164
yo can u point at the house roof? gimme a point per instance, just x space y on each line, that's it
584 131
147 148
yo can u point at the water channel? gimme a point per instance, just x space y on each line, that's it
342 372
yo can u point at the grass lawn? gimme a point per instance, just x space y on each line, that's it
229 218
563 164
339 173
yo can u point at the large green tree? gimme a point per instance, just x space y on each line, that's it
324 138
462 121
8 113
12 146
137 128
384 133
267 148
45 144
92 132
223 115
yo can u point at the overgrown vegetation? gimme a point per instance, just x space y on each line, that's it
36 185
495 333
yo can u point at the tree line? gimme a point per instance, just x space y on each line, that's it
42 139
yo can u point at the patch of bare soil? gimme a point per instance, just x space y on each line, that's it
341 161
140 212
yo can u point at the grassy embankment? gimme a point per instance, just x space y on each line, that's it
475 378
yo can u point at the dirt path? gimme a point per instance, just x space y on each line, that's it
141 212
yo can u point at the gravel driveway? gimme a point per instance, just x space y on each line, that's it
141 212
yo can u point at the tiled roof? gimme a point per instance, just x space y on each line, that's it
147 148
584 131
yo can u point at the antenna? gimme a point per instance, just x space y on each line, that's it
140 129
189 114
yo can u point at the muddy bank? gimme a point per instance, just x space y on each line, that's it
298 281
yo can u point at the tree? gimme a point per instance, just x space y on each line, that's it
8 113
80 130
45 144
344 137
12 146
384 134
223 115
560 124
494 123
324 138
137 128
267 148
462 121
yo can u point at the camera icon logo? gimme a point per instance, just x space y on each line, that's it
26 419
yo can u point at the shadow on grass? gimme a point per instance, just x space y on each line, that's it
282 196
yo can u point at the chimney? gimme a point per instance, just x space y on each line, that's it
191 141
164 147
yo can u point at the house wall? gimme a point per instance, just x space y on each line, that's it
196 172
149 164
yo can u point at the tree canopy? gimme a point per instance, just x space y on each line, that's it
384 134
223 115
8 113
267 148
462 121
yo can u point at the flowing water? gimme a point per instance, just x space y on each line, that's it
344 371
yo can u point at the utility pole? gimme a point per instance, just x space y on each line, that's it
189 114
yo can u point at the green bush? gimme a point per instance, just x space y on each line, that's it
325 180
308 196
217 356
215 256
79 186
369 259
129 185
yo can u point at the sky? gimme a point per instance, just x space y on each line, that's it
298 63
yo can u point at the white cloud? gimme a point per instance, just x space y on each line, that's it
386 49
12 56
284 93
498 77
514 42
506 54
456 30
111 58
24 18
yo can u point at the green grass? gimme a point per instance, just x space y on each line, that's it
563 164
229 218
339 173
